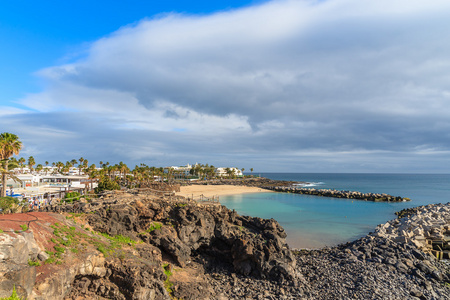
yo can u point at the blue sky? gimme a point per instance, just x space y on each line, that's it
285 85
38 34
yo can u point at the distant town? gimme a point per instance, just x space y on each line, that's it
23 179
31 180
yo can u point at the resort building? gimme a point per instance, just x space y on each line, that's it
35 185
225 172
180 171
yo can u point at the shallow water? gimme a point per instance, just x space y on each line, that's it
313 222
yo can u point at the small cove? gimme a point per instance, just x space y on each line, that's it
314 222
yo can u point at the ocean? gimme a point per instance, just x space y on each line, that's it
315 222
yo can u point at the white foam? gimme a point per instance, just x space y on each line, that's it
309 184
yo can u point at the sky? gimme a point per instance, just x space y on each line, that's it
277 86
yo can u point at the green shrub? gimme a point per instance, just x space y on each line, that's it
71 197
59 249
167 284
106 184
33 263
76 214
8 204
103 249
50 260
154 226
24 227
13 295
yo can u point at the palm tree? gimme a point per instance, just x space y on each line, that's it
21 163
31 163
93 174
59 165
229 171
6 170
39 168
46 167
80 165
9 146
251 170
123 169
65 169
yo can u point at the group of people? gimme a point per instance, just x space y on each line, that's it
36 202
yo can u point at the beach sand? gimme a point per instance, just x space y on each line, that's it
217 190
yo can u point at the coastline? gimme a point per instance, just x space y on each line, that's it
217 190
393 262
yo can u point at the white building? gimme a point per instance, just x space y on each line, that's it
181 170
35 180
222 172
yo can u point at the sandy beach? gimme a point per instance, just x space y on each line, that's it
216 190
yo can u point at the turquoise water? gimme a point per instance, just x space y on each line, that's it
313 222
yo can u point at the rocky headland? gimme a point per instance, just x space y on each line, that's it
145 246
138 246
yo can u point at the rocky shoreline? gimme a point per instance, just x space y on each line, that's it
171 247
144 246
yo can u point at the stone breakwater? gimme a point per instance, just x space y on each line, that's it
425 227
375 197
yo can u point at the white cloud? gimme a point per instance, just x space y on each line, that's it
6 111
284 76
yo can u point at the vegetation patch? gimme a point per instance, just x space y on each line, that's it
105 183
13 296
154 226
33 263
8 205
77 215
167 284
67 239
71 197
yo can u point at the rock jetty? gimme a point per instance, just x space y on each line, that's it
425 227
376 197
